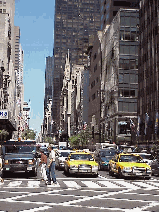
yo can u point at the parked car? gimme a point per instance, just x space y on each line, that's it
61 156
155 166
81 163
129 165
103 156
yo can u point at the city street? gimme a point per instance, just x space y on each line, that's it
79 193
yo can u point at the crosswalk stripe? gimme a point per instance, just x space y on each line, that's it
127 185
14 183
77 184
109 184
91 184
32 184
145 185
72 184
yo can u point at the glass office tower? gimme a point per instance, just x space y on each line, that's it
76 23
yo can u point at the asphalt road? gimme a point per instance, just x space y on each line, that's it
81 193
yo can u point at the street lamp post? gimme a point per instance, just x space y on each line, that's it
28 122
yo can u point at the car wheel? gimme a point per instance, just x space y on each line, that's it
95 175
147 178
110 171
120 173
99 167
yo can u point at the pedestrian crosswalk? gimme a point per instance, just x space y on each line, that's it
83 183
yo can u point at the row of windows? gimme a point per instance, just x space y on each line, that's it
4 3
129 35
94 82
128 64
3 11
129 21
128 78
127 93
127 49
127 106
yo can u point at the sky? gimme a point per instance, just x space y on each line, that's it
36 21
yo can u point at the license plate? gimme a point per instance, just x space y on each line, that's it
139 173
29 168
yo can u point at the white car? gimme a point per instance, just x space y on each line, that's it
61 156
147 158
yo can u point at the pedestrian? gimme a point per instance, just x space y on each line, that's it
1 179
43 163
51 166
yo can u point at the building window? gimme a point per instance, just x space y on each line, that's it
93 96
0 10
0 2
4 3
127 106
95 55
95 68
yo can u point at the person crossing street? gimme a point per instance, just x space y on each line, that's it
51 166
43 164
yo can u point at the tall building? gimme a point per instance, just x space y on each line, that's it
119 78
109 9
76 23
48 79
8 87
148 98
48 95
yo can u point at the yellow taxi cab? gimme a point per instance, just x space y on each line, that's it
126 164
81 162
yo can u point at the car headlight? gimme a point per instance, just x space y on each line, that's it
73 167
6 162
30 162
127 168
105 162
95 166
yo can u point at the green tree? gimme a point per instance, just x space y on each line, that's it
81 139
85 136
3 134
48 139
74 141
29 134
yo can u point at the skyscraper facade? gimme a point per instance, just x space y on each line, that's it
148 89
109 9
76 23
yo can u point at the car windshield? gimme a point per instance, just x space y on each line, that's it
64 154
107 153
130 158
146 156
20 149
81 157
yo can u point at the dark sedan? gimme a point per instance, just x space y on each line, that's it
103 157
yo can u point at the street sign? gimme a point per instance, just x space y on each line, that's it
3 114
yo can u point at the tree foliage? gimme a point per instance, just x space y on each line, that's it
29 134
81 139
3 134
48 139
